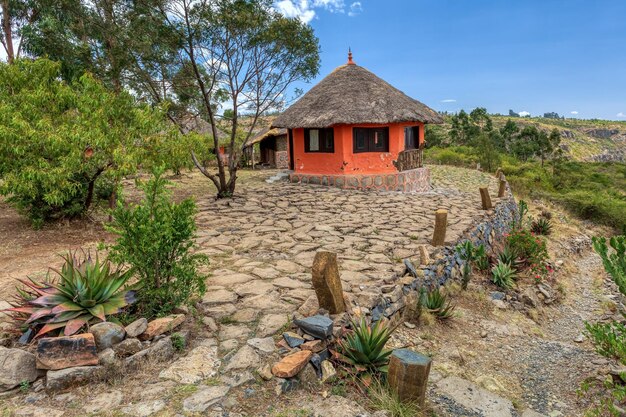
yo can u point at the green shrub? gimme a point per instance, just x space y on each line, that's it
85 292
463 156
155 237
614 261
530 249
609 339
437 303
365 346
507 256
470 254
503 275
178 341
541 226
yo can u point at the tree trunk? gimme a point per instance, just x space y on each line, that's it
8 33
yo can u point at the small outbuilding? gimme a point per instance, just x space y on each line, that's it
273 148
354 130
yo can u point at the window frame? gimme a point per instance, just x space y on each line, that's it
326 138
370 140
416 136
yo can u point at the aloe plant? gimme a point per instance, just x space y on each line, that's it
541 226
503 275
437 303
365 346
84 292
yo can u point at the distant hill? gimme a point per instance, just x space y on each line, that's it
582 140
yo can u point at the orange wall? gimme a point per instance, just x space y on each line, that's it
344 161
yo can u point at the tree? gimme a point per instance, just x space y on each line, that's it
526 144
58 140
14 15
487 148
508 132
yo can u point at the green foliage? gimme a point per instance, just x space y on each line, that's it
382 398
541 226
365 345
503 275
609 339
58 140
470 254
530 249
463 156
178 341
607 395
86 291
155 237
614 261
507 256
437 303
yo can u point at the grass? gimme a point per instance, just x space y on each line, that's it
382 398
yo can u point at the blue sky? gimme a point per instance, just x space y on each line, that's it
533 56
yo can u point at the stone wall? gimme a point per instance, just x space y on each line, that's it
446 264
414 180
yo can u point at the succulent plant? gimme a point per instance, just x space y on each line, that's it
85 291
503 275
541 226
437 303
365 345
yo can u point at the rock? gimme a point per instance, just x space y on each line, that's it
237 379
265 345
107 334
313 345
66 352
144 408
104 402
159 351
499 304
290 365
37 411
327 282
309 307
293 339
270 324
308 376
205 397
210 323
220 296
107 357
127 347
328 371
424 255
317 326
580 338
265 372
246 357
234 332
61 379
136 328
201 363
408 375
409 325
529 298
474 398
16 366
497 295
228 345
532 413
162 325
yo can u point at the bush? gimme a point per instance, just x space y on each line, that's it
530 249
155 237
503 275
609 339
86 291
58 140
614 262
463 156
365 346
470 254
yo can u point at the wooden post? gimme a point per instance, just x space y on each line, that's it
408 375
498 172
441 222
327 283
502 188
484 196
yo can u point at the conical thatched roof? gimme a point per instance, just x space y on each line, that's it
351 95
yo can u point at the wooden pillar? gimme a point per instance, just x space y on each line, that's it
327 283
498 172
408 375
502 188
486 200
441 222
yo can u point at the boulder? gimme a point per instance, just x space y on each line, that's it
475 398
200 364
290 365
106 334
320 327
327 282
16 366
162 325
127 347
61 379
66 352
137 327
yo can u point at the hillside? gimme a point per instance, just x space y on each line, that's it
583 140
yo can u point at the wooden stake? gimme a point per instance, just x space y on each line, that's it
484 196
441 222
408 375
502 188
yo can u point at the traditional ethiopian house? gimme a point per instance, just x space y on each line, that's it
354 130
272 148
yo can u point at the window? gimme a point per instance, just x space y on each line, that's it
411 137
371 140
319 140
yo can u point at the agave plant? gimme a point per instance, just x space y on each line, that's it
503 275
85 291
365 345
437 303
507 256
541 226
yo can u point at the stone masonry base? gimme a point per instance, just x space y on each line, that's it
414 180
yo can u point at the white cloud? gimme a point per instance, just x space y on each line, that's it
574 112
524 113
355 9
305 9
621 114
449 100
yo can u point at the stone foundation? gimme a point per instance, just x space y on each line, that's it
282 159
413 180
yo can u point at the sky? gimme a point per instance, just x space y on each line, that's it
531 56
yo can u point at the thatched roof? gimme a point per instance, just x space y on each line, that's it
351 95
266 133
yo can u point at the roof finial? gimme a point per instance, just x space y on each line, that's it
350 61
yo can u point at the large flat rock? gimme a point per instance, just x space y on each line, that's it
474 398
